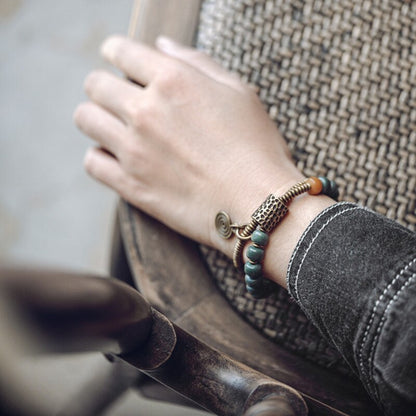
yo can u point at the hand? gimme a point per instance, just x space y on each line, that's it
183 139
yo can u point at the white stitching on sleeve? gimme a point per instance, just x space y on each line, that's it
289 267
311 244
383 319
373 313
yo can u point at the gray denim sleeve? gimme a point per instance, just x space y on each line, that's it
353 273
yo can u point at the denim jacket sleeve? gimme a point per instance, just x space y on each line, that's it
353 273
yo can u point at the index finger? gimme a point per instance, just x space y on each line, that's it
138 61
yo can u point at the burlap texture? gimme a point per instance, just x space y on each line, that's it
339 80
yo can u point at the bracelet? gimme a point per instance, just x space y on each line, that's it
263 221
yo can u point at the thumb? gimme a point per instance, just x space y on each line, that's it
198 60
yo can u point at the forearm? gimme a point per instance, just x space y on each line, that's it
353 272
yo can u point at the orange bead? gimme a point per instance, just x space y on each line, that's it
316 185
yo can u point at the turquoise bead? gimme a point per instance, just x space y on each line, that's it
253 270
251 290
256 293
253 283
329 187
255 254
260 238
326 184
333 190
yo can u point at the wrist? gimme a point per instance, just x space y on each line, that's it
283 240
283 228
248 196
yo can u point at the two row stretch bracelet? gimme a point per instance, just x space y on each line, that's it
263 221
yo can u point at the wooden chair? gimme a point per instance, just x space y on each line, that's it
338 84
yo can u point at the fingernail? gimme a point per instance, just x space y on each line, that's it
106 49
166 44
109 45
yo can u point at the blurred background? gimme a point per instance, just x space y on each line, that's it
51 213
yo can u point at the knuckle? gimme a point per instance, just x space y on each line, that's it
131 155
171 79
142 114
133 111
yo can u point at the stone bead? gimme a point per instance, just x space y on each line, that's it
316 185
260 237
333 190
253 270
253 283
255 254
325 184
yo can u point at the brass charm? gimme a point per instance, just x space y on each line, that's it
223 225
270 213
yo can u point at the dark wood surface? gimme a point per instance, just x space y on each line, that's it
168 270
207 376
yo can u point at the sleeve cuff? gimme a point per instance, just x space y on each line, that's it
352 272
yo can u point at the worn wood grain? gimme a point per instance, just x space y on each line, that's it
174 18
207 376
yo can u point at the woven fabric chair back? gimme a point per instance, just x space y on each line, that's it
339 80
